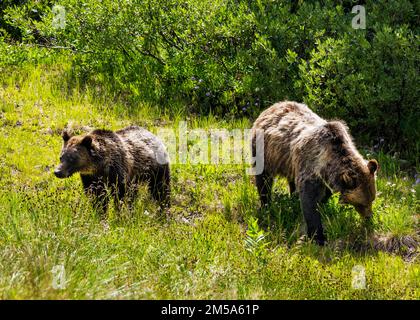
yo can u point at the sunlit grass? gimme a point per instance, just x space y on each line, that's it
200 250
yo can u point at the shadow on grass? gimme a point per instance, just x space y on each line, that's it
282 218
345 230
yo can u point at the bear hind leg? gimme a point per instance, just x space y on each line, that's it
159 186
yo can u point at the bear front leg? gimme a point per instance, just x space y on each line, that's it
119 191
327 195
95 189
292 187
311 194
264 184
100 203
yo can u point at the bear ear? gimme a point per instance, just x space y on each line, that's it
348 181
65 135
87 142
372 166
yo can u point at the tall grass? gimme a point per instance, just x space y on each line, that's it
209 247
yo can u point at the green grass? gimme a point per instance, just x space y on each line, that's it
204 250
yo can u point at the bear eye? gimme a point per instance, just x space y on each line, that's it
68 158
349 181
352 183
72 159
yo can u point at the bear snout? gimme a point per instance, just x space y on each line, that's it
60 173
369 214
364 211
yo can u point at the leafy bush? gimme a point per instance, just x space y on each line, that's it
236 57
372 85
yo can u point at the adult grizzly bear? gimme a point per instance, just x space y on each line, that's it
317 157
113 163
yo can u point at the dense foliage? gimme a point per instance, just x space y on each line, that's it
155 63
239 56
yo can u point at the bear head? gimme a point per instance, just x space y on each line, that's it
359 187
76 155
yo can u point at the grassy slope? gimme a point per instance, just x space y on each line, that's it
200 252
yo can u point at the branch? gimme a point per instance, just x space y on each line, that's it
149 54
63 48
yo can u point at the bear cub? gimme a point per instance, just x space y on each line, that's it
114 163
317 157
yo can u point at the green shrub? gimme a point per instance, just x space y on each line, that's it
370 85
236 57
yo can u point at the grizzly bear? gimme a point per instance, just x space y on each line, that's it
317 157
114 163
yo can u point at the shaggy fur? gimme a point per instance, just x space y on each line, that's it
116 162
317 157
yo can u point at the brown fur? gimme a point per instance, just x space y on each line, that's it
316 156
117 162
